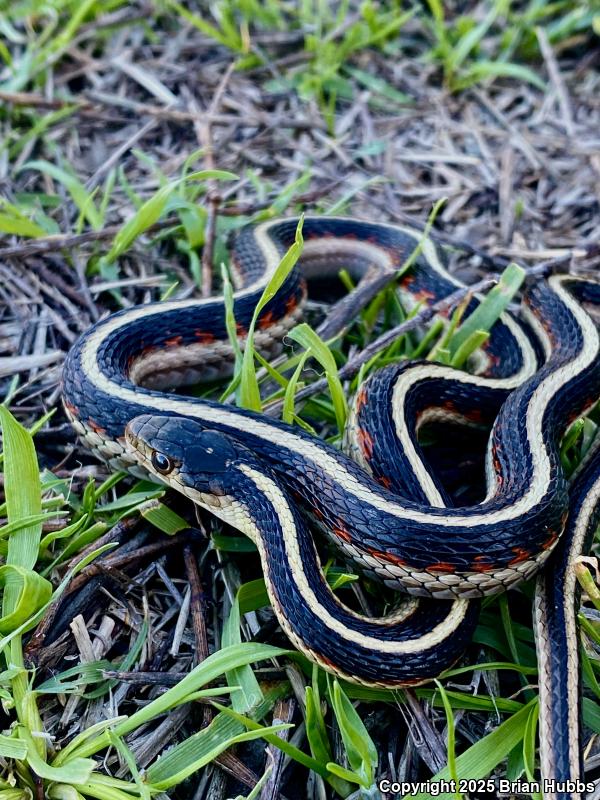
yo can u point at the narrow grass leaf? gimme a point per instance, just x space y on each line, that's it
211 668
286 747
128 757
468 347
360 749
78 770
480 70
490 308
163 518
151 211
10 747
23 499
451 744
249 394
312 342
288 411
200 749
529 742
230 325
249 694
79 194
482 757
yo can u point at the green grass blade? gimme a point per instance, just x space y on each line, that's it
490 308
451 738
312 342
200 749
23 497
249 694
482 757
79 194
249 394
211 668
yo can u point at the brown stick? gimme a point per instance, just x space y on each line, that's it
198 605
204 133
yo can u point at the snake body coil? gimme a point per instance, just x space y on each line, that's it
398 523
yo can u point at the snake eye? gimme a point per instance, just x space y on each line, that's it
161 463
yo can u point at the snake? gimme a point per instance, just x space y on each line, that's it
380 501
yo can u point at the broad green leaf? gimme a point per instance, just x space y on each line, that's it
62 791
316 732
20 226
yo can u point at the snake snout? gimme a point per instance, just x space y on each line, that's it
145 425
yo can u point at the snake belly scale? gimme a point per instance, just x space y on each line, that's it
395 521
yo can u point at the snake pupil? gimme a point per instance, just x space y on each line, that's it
161 462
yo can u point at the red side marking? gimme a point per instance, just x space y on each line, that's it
390 557
326 661
441 566
342 533
267 320
385 481
95 426
291 304
241 331
361 398
174 341
550 541
204 337
410 682
520 555
481 564
365 441
73 410
424 295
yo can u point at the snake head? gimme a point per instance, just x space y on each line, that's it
183 453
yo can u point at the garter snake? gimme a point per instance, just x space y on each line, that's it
395 521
